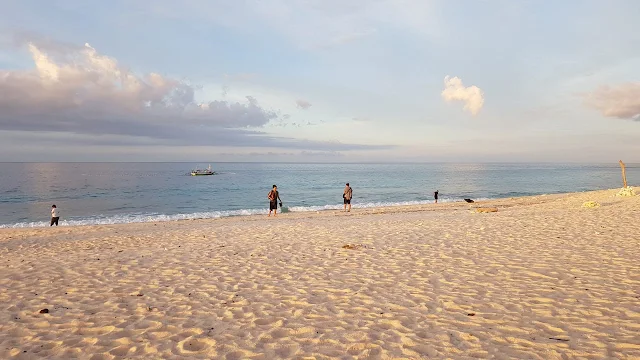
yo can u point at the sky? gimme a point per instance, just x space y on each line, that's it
320 80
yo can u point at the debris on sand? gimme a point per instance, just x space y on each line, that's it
486 210
626 191
590 204
353 246
44 311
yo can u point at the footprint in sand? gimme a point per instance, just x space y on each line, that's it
120 351
193 345
266 321
279 333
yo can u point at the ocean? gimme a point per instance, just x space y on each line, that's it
110 193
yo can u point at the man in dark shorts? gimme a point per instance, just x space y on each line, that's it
274 197
435 196
55 216
347 194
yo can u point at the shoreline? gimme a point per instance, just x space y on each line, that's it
541 278
364 210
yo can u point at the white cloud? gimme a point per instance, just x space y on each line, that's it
472 96
303 104
82 85
622 101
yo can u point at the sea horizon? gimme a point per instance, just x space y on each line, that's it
192 162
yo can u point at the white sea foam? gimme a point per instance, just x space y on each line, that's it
141 218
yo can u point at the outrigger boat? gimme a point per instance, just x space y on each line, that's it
198 172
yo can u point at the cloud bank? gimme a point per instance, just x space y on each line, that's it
472 96
76 90
622 101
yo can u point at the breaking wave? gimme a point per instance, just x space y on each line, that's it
156 217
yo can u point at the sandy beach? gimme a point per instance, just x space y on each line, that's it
541 278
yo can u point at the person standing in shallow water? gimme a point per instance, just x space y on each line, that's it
273 197
435 196
347 194
55 216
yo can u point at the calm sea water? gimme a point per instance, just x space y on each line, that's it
106 193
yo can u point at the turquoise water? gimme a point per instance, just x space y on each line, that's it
106 193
